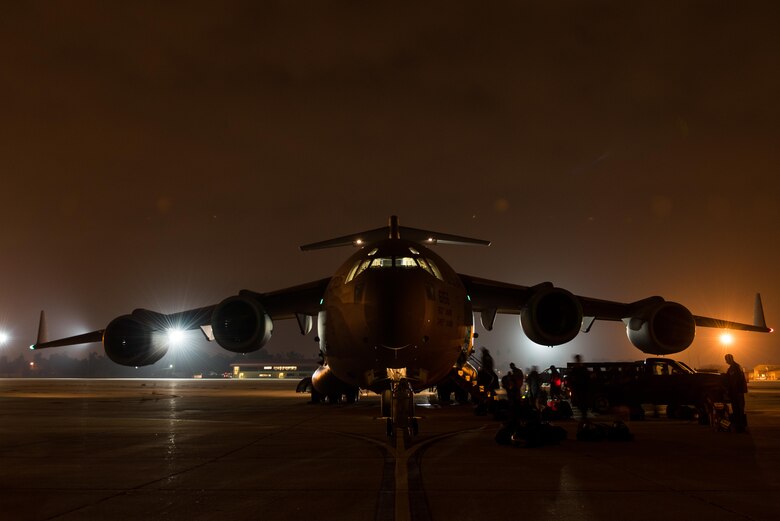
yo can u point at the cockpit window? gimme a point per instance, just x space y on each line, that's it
382 262
430 267
389 262
357 269
405 262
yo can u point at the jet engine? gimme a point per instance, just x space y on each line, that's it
663 329
552 316
130 342
240 324
325 383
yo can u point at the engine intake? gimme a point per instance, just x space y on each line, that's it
241 325
663 329
552 316
130 342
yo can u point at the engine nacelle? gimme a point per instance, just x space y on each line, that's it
328 384
552 316
663 329
240 324
130 342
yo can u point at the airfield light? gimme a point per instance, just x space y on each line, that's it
175 336
726 339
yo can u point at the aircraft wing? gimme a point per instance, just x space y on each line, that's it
295 302
489 297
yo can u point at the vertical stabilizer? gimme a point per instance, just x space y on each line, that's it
394 231
758 312
42 334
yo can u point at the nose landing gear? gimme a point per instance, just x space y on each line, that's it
398 410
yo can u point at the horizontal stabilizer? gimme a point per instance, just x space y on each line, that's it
395 231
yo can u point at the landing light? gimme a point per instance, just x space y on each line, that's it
175 336
3 337
726 339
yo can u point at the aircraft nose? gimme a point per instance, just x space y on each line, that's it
399 316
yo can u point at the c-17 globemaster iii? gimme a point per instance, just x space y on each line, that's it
395 319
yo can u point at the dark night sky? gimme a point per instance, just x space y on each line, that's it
166 156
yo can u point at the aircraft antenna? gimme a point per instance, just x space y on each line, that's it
394 228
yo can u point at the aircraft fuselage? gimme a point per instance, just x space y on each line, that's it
395 306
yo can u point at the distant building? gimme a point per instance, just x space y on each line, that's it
267 370
766 372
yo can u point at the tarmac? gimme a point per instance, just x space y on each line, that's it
248 449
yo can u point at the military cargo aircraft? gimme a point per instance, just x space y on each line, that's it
395 318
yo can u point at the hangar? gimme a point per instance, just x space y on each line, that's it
274 370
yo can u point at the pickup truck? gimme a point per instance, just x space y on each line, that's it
657 381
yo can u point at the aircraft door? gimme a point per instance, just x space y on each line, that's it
321 323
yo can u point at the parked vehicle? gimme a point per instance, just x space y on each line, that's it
657 381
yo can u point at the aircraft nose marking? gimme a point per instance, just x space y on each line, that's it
395 350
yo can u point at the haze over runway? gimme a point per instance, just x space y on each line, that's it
167 156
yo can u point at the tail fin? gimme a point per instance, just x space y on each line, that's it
42 333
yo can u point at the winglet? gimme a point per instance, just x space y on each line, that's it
43 335
758 313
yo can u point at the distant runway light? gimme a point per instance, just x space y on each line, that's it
726 339
175 337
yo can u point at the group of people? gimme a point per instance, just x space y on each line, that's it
578 381
513 382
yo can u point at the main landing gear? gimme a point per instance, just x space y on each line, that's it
398 410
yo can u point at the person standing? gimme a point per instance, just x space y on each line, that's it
555 384
737 386
579 383
534 385
487 374
514 387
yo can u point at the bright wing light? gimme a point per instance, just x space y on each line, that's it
175 337
726 339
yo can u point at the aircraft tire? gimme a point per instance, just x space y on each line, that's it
351 396
387 403
461 396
